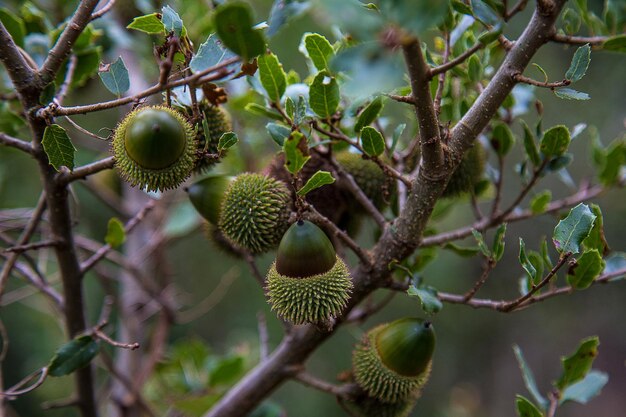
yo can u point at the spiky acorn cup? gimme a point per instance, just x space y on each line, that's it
218 122
392 362
255 212
468 173
155 148
308 282
368 176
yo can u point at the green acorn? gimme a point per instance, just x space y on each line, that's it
392 362
217 121
368 176
468 173
154 147
308 282
207 195
255 211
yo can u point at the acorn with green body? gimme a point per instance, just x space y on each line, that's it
468 173
215 122
308 282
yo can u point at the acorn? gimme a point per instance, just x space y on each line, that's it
368 176
154 148
468 173
255 212
218 122
392 363
308 282
207 195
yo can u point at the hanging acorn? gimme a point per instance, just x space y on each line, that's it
216 122
468 173
207 196
308 282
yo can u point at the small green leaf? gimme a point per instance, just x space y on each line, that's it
172 21
283 11
491 35
14 25
233 23
572 230
372 141
545 255
227 140
576 366
587 268
530 145
290 107
259 110
75 354
484 13
369 114
540 202
596 239
465 252
525 408
279 133
58 146
116 235
115 77
299 111
428 298
502 139
583 391
529 378
541 70
481 243
210 54
150 24
320 51
555 141
614 161
318 179
227 371
615 44
87 65
474 69
294 158
48 93
397 132
571 94
580 63
498 242
525 262
461 7
324 95
272 76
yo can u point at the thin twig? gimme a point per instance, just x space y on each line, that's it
17 390
103 10
33 246
16 143
86 170
446 66
69 75
489 265
104 337
522 79
442 76
343 391
579 40
519 6
83 130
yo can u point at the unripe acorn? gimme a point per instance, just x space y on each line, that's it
207 195
217 121
255 212
154 147
468 173
368 176
392 362
308 283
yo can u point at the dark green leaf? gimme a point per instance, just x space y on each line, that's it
474 69
299 111
525 262
227 140
397 132
272 76
47 95
210 54
530 145
172 21
320 51
227 371
294 158
415 16
529 378
576 366
615 159
318 179
10 123
87 65
481 243
583 391
484 13
372 141
369 114
115 77
615 44
491 35
587 268
560 162
462 251
525 408
498 242
116 235
279 133
540 202
572 230
545 255
502 139
259 110
580 63
14 25
461 7
283 11
150 24
596 239
58 147
571 94
290 107
424 257
428 298
555 141
233 23
75 354
324 95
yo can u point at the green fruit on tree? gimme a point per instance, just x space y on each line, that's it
255 212
392 362
207 196
154 148
216 122
368 176
468 173
308 282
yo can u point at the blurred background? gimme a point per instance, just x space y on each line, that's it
474 373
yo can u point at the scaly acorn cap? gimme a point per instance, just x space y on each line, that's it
154 147
392 362
304 251
207 195
255 212
468 173
218 122
368 176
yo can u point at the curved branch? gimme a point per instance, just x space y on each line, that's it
16 143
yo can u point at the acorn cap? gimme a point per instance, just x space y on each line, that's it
218 122
406 346
313 299
377 379
207 194
255 212
468 173
304 250
154 147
